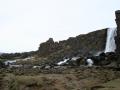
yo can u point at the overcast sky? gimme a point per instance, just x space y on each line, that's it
24 24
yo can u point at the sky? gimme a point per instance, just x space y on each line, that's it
24 24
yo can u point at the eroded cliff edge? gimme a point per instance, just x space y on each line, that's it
85 44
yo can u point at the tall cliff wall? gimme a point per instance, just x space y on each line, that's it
90 43
117 13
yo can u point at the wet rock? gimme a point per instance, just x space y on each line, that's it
117 13
113 58
99 60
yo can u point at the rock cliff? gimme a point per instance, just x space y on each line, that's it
117 13
84 44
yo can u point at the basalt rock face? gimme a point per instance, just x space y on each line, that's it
49 47
85 44
117 13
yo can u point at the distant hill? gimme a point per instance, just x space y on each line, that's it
1 53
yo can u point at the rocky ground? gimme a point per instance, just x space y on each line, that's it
77 78
111 85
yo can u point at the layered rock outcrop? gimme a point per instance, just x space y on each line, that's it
49 47
90 43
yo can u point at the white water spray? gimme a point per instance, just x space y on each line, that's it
90 62
110 43
63 62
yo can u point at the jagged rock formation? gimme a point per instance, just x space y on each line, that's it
90 43
49 47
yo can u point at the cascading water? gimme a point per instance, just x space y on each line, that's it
110 43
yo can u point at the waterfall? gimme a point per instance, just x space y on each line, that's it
110 43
